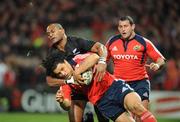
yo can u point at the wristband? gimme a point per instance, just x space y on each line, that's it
157 65
102 59
70 81
102 62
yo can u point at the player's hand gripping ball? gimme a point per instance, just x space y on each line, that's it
87 75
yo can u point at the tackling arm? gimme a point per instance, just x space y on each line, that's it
101 50
87 63
54 81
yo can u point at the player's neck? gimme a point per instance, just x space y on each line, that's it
61 45
132 35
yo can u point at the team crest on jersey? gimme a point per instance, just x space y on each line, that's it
137 47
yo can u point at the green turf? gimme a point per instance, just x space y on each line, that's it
50 117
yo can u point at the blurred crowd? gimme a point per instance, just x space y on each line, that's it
23 41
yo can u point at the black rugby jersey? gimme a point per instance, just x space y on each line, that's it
74 46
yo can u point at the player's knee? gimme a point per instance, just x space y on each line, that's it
137 108
133 104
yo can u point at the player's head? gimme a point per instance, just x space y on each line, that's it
126 27
56 65
55 32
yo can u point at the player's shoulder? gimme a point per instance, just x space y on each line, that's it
142 38
113 39
74 38
144 41
52 49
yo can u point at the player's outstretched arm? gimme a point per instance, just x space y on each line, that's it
54 81
65 103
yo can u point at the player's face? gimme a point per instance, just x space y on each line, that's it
64 70
54 33
125 29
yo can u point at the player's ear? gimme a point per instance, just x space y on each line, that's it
62 29
65 61
133 26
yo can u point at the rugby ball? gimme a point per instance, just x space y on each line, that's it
87 75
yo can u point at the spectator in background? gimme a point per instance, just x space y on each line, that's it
129 52
3 70
172 78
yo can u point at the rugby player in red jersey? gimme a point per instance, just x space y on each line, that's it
112 97
129 52
78 99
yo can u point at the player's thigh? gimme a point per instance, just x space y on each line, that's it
142 88
125 117
76 111
132 102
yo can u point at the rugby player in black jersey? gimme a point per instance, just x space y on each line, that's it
73 46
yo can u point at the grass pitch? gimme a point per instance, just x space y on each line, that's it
48 117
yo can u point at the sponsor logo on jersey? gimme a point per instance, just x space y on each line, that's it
114 48
137 47
127 57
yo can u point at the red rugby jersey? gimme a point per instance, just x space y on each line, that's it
66 90
129 57
95 90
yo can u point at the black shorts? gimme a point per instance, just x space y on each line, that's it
111 105
141 87
78 96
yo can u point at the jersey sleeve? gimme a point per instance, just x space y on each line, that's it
66 90
152 51
80 57
85 44
108 48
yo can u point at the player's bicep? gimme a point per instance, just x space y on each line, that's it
85 44
153 52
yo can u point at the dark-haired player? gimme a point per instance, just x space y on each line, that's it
72 46
129 52
112 97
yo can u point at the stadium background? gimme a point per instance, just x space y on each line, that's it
23 44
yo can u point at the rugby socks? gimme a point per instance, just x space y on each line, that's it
148 117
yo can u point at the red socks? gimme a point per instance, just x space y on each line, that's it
148 117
